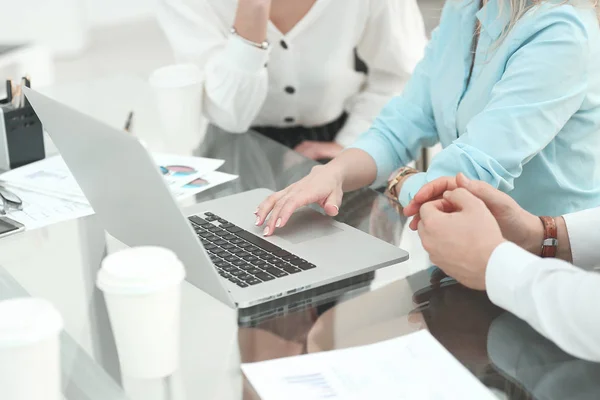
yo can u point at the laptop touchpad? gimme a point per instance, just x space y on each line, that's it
306 224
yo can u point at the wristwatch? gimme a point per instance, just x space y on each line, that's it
550 243
264 45
396 177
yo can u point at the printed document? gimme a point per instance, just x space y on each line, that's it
52 177
414 366
50 193
40 210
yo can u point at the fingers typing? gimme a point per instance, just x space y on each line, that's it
267 205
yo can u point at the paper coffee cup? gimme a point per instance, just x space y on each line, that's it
168 388
30 350
178 92
142 288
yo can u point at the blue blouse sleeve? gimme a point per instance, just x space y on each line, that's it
543 85
405 124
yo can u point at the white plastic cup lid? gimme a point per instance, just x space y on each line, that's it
27 320
140 270
176 76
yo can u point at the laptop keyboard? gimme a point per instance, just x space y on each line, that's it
243 257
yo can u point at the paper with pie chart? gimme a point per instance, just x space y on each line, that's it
52 177
51 194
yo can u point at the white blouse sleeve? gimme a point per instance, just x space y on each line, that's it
584 234
235 77
557 299
391 45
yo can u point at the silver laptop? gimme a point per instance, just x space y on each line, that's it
224 252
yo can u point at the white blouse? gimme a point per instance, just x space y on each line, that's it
557 299
307 77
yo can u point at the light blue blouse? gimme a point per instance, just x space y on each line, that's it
529 122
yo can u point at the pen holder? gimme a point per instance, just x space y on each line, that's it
21 136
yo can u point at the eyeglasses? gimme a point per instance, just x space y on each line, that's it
10 201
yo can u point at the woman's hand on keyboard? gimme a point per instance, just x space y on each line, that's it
322 186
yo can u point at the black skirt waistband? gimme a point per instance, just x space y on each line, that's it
293 136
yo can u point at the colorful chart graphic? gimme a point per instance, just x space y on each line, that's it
177 170
197 183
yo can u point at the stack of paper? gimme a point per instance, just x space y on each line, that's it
51 194
40 210
415 366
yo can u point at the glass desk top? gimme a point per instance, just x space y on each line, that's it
60 263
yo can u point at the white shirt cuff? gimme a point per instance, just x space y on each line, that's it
582 229
243 56
504 274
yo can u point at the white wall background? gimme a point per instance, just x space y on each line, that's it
64 25
108 12
59 24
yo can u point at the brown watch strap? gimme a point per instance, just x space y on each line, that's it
550 244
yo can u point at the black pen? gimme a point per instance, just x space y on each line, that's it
9 94
129 122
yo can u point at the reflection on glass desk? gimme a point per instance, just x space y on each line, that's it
60 263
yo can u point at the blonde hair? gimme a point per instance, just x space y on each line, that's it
518 8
